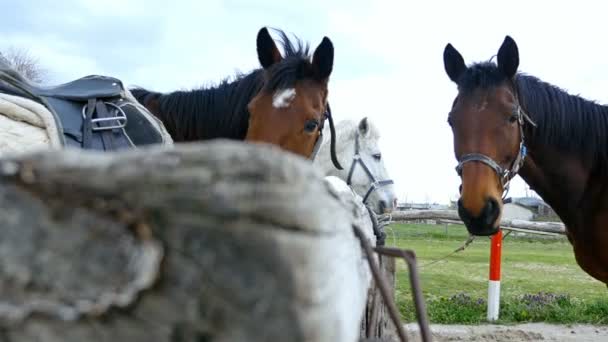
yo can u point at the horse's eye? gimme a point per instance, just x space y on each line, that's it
513 118
377 156
310 126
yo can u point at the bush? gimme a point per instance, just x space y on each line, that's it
540 307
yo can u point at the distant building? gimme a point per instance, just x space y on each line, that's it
422 206
437 206
410 206
514 211
534 207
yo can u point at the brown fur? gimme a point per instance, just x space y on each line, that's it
284 126
566 162
479 182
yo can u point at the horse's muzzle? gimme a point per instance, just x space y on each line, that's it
485 224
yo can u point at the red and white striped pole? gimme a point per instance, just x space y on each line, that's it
494 283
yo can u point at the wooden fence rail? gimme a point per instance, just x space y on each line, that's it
451 216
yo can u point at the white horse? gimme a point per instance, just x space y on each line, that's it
358 152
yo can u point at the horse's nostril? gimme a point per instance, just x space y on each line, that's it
491 211
482 224
463 212
493 205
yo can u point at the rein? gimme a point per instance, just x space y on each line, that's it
358 160
334 159
505 175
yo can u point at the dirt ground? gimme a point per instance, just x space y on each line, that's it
521 332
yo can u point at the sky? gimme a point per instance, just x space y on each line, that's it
388 62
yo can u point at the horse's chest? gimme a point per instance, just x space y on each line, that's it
589 243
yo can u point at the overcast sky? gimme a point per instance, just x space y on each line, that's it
388 58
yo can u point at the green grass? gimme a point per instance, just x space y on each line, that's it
455 289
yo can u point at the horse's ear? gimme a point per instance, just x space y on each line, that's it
363 126
453 63
508 57
323 59
268 53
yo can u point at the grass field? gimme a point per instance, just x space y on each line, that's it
540 278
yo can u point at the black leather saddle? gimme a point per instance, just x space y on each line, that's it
93 111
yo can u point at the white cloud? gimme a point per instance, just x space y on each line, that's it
558 42
55 55
388 63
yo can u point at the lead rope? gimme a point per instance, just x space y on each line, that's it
466 244
377 225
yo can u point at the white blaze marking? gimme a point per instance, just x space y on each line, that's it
283 98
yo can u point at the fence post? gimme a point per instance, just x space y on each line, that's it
376 320
494 282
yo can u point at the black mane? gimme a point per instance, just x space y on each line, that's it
567 122
294 67
221 111
201 114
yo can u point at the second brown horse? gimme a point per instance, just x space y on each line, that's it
283 103
506 123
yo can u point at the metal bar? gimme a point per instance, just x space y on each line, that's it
392 308
410 259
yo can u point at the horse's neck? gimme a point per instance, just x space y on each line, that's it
565 148
215 112
559 179
345 157
344 152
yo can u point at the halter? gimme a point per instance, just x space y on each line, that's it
504 175
358 160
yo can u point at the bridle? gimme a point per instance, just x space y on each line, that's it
332 130
505 175
358 160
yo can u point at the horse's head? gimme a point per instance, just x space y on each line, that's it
358 147
486 121
291 108
370 178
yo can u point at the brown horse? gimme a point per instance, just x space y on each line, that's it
284 103
505 123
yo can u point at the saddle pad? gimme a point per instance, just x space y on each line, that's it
25 126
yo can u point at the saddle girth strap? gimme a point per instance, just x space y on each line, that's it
87 125
106 134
